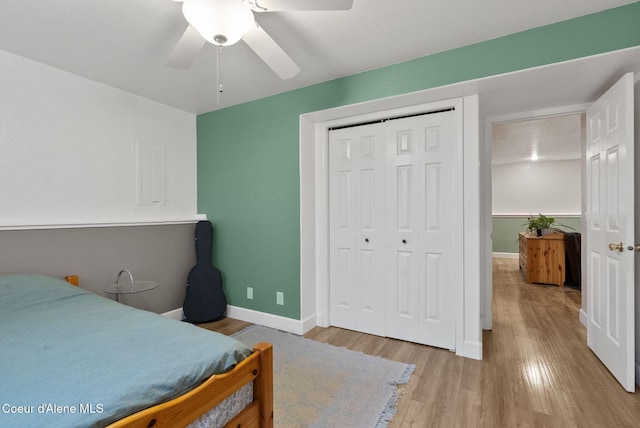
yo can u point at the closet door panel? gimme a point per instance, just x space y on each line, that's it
420 189
402 230
356 215
437 231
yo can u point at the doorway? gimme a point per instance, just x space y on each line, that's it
537 169
532 154
608 165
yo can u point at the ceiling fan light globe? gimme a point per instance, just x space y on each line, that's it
220 22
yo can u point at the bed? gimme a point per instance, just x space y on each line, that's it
71 358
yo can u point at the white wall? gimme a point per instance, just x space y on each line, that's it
537 187
69 147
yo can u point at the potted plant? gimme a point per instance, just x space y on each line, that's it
542 223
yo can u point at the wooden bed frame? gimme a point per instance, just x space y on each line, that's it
183 410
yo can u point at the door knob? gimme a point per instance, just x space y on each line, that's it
618 247
404 241
634 247
366 239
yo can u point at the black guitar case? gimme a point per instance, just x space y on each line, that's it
205 300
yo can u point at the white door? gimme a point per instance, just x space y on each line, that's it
356 216
423 185
395 244
610 230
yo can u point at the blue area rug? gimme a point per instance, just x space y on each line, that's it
320 385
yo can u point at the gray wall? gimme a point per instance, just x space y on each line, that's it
159 253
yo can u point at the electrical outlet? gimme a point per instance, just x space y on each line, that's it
279 298
250 293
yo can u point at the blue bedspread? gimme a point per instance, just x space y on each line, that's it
70 358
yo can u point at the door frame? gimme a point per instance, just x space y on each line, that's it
454 236
314 204
488 138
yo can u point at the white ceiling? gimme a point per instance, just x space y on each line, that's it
125 43
545 139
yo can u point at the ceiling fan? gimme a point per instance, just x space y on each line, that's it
225 22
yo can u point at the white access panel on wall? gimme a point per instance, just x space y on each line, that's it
395 221
150 175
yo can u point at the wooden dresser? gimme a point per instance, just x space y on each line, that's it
542 259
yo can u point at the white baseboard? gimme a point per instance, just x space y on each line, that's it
255 317
583 317
175 314
300 327
471 350
309 323
499 255
269 320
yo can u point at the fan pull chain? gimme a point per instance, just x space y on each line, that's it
219 88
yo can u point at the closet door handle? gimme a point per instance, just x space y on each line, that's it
366 239
404 241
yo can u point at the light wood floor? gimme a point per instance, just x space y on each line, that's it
537 370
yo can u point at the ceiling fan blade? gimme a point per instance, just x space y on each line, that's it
301 5
271 53
186 50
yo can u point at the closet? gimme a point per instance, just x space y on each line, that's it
395 214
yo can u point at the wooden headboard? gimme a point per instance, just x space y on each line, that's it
72 279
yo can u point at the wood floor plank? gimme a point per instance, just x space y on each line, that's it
537 370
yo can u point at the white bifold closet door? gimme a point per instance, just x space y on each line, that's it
357 228
393 228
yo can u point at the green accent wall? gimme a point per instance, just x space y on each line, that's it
248 171
505 231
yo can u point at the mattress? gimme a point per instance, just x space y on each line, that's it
72 358
226 410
